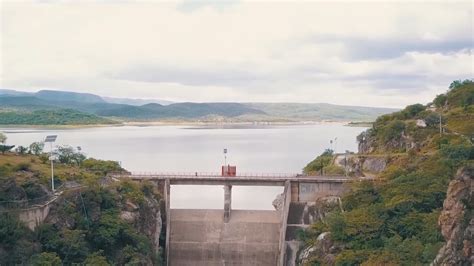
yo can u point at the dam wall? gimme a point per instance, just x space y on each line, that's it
201 237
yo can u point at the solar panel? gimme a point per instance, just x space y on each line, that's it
51 138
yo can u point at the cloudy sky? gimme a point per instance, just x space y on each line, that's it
357 53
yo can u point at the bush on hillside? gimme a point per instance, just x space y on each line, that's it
320 162
36 148
45 258
102 166
69 155
392 131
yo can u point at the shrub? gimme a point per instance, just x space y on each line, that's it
456 154
11 230
45 259
412 110
432 119
69 155
320 162
393 131
22 167
21 150
96 259
334 170
5 148
44 158
101 166
36 148
33 190
130 190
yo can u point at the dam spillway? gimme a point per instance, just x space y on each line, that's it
238 237
201 237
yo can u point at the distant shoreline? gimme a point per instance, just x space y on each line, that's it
187 123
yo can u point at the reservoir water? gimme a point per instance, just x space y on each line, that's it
253 149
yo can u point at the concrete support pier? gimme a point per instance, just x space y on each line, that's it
227 202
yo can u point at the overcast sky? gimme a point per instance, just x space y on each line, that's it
356 53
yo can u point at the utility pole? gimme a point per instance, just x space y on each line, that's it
51 139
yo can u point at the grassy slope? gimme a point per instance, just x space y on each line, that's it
97 237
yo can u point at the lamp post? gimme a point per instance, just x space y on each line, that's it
225 157
51 139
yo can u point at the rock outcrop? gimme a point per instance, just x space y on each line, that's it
149 222
278 202
301 216
457 221
361 165
323 251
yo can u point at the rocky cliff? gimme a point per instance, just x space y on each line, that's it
361 165
302 215
457 221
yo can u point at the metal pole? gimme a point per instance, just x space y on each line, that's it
440 126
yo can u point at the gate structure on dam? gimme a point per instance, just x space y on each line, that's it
236 237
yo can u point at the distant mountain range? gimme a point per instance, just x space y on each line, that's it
136 102
93 107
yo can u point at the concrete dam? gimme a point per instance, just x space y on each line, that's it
239 237
200 237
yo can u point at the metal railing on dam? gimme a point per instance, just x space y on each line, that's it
252 179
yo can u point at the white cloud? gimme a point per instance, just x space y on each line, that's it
385 53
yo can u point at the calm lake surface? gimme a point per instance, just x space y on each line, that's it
253 149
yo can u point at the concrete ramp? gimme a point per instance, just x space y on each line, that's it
200 237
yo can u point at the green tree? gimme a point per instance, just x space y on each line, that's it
21 150
5 148
11 230
412 110
101 166
69 155
320 162
45 259
440 100
96 259
455 84
3 138
432 120
37 148
393 131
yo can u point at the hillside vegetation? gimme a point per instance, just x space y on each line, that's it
86 225
51 117
394 220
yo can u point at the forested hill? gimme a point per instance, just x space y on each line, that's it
399 219
25 104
